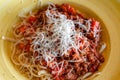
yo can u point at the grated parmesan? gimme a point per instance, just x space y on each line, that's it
57 44
102 48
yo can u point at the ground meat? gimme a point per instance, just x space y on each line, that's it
79 57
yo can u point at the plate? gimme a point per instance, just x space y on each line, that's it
106 11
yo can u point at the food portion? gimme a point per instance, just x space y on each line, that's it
57 43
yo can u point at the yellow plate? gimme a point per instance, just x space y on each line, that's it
106 11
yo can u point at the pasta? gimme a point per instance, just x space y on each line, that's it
57 43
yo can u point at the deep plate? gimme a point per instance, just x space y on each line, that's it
105 11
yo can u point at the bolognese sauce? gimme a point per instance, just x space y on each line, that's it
58 43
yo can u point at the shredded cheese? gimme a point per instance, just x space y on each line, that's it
57 44
102 48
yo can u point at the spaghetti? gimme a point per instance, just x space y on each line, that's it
57 43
